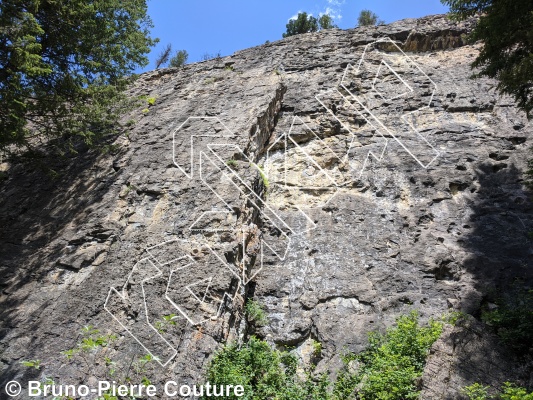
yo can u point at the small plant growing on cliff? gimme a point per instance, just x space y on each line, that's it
140 365
317 348
111 365
453 317
513 318
91 341
476 391
32 364
255 312
208 56
167 321
232 163
263 176
151 101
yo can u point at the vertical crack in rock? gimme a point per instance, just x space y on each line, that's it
261 135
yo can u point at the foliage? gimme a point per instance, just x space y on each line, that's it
209 56
506 29
255 312
513 318
476 391
140 365
513 392
317 347
264 373
263 176
368 18
94 351
453 317
303 23
163 57
326 22
63 66
388 369
165 323
32 364
392 362
232 163
179 59
91 340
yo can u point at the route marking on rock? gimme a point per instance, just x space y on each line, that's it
191 289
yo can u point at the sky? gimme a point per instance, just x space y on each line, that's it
218 26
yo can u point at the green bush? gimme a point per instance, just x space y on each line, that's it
32 364
255 312
513 319
393 361
232 163
180 59
264 373
512 392
387 369
476 391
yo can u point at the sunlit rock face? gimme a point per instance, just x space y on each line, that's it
339 178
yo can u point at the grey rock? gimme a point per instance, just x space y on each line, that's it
396 238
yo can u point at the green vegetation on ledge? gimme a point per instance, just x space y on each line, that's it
387 370
477 391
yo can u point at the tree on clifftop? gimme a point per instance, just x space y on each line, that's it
305 23
63 64
179 59
506 29
163 57
368 18
302 24
326 22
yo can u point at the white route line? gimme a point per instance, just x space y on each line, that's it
354 136
266 212
123 297
403 117
229 135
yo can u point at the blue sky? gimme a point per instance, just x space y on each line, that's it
212 26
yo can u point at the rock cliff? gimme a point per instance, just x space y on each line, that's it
339 178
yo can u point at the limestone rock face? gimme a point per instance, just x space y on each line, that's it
340 178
